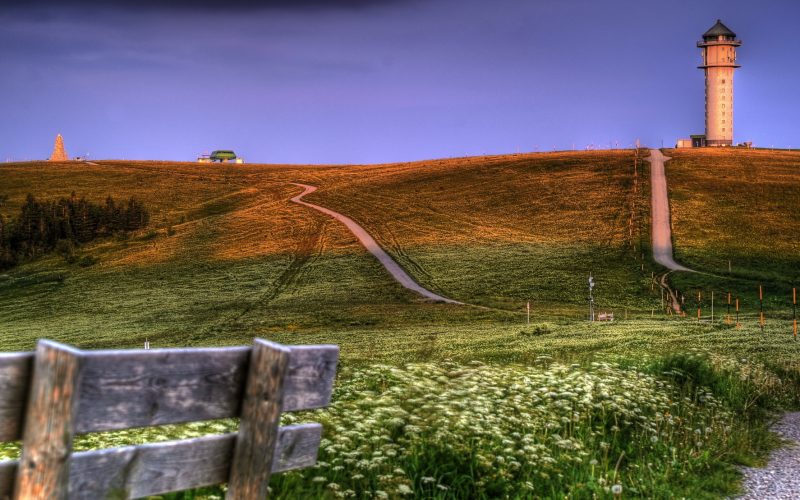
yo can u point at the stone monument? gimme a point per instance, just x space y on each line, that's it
59 153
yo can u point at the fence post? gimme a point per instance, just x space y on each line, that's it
260 418
47 438
794 311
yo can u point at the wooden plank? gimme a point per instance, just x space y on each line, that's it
15 372
310 376
47 438
157 468
258 427
8 469
139 388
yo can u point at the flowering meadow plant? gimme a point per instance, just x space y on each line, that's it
475 430
482 431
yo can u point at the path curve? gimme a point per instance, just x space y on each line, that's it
372 246
779 479
659 203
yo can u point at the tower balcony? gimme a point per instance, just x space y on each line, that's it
731 64
709 43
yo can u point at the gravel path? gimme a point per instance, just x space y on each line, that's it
659 199
372 246
780 479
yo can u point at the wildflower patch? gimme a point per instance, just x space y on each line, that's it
455 430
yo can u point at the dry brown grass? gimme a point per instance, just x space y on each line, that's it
485 230
549 198
735 204
235 212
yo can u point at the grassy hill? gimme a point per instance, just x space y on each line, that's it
228 257
740 207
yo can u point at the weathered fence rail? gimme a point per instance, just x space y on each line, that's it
48 396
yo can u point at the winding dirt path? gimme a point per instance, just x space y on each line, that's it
372 246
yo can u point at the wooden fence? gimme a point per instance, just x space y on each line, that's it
48 396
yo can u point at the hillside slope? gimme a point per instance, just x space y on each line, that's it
742 207
228 256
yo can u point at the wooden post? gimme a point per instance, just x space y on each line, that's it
761 307
712 307
47 438
698 307
738 325
728 315
529 313
260 418
794 311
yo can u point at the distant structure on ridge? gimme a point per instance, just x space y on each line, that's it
59 153
719 60
220 155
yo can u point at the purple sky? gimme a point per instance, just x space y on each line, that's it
354 81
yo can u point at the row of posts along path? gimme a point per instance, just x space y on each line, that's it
661 227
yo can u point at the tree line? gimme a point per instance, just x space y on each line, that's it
41 225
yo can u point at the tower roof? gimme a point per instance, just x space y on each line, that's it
719 29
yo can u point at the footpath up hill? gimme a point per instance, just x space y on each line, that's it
660 407
227 255
742 207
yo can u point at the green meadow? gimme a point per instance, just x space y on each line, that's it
446 401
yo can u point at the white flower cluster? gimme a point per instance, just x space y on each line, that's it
426 429
475 430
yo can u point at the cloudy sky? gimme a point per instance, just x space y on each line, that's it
357 81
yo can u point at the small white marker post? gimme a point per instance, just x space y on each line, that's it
146 344
529 313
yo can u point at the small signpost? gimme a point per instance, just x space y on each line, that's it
591 298
529 313
761 307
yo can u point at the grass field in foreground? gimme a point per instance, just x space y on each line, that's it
229 258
